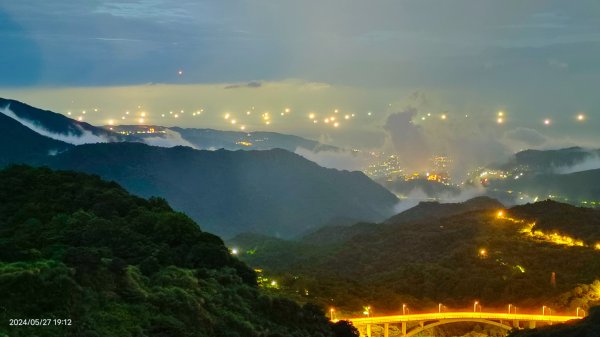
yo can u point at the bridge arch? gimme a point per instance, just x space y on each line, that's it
449 321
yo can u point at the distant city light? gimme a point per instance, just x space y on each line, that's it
581 117
547 122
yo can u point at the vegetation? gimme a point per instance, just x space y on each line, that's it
453 260
75 247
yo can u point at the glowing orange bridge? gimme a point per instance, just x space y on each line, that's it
411 325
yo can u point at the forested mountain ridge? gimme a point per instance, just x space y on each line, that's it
525 255
82 250
271 192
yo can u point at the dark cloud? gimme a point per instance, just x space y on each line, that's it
408 139
528 137
244 85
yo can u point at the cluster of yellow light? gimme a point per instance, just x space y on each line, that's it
500 119
554 238
581 117
545 316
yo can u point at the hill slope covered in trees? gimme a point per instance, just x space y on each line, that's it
76 248
453 259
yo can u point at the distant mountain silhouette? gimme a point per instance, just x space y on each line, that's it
229 140
272 192
57 124
574 187
19 144
546 161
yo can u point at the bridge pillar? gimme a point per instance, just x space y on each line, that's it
386 330
403 329
531 324
368 329
516 324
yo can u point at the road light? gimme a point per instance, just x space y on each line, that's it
404 309
509 307
475 306
544 308
331 311
440 308
367 311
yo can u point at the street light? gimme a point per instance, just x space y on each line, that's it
475 306
509 307
544 310
404 309
440 307
331 311
367 311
